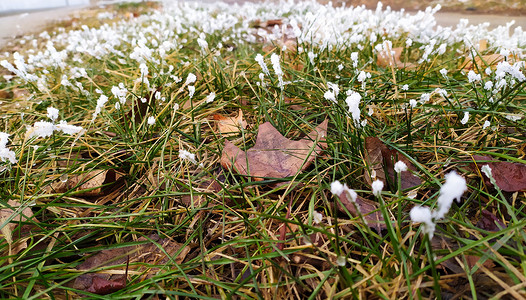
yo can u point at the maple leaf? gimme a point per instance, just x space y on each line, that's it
380 158
7 230
136 257
273 155
230 125
360 206
509 177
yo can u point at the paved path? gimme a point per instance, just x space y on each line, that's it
451 19
14 26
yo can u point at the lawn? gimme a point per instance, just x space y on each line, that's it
293 151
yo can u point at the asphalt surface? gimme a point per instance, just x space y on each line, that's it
14 26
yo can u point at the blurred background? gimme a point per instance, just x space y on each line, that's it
502 7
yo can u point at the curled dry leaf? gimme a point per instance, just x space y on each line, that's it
509 177
87 184
367 208
230 125
273 155
19 216
380 158
137 257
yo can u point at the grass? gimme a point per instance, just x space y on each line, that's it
225 243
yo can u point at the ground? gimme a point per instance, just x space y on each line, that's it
294 151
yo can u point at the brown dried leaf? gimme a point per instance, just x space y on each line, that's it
21 94
274 155
138 256
390 58
91 182
482 61
367 208
6 213
374 148
4 94
290 101
380 159
509 177
483 45
230 125
102 286
139 108
208 186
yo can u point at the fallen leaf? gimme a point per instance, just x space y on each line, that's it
391 57
139 108
208 186
273 155
87 184
269 23
454 264
489 222
266 29
380 158
20 93
4 94
21 216
230 125
481 62
367 208
136 257
374 159
509 177
102 286
290 102
483 45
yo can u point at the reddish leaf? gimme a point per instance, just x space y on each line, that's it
273 155
380 159
509 177
367 208
102 286
145 254
452 264
489 222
